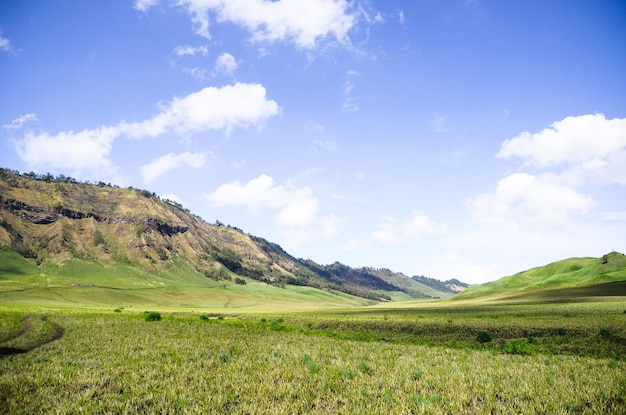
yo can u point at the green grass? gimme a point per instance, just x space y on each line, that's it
566 274
549 358
79 282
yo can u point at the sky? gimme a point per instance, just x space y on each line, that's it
467 139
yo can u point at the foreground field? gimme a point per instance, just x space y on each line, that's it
432 359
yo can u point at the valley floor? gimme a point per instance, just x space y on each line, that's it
431 358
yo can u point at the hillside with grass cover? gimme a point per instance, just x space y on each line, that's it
569 278
97 243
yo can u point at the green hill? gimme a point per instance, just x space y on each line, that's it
575 277
65 241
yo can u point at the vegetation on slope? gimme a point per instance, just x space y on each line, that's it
561 275
100 235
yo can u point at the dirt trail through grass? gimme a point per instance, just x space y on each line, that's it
29 322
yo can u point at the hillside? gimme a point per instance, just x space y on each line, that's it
58 233
573 277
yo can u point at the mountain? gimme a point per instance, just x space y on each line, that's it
452 286
56 232
573 277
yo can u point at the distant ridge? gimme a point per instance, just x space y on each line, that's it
56 232
452 286
576 277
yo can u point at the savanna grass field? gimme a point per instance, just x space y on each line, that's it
448 357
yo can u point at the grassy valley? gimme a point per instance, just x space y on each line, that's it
435 358
60 240
115 301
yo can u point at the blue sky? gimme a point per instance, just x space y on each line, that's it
466 139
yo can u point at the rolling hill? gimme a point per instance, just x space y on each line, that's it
569 278
65 241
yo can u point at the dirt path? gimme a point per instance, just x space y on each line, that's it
57 333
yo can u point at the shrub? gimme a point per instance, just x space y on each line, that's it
483 337
517 347
204 317
117 310
153 316
277 325
605 332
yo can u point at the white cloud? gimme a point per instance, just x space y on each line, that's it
378 18
225 108
5 44
257 193
198 73
350 103
211 108
576 150
571 140
300 22
525 200
226 64
579 150
391 232
191 50
536 217
87 150
145 5
17 123
401 17
169 162
298 218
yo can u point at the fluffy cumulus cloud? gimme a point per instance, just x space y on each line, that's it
573 140
551 207
226 64
568 154
87 150
530 200
169 162
392 232
225 108
300 22
298 213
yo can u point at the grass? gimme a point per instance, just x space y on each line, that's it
79 282
424 359
573 277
